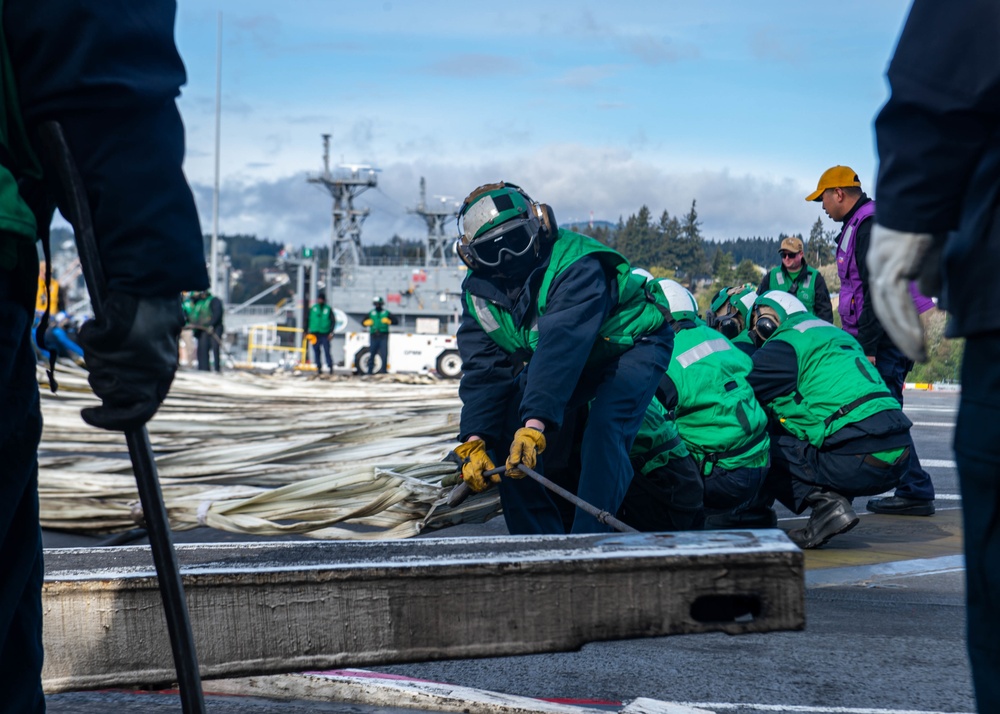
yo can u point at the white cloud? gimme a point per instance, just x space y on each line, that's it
575 180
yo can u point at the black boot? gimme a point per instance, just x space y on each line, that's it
831 515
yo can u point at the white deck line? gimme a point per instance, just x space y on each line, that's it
860 574
724 706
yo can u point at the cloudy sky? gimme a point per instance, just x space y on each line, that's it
595 108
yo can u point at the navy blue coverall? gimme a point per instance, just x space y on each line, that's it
109 72
890 362
498 396
939 173
798 467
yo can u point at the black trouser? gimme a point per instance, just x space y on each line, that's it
208 344
977 451
798 468
20 534
893 365
321 345
378 345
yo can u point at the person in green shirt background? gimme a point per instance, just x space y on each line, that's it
320 328
803 281
378 322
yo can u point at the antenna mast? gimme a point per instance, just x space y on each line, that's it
438 241
344 186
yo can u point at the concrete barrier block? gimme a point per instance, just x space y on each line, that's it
269 608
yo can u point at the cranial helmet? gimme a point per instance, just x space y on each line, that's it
769 311
499 228
378 300
643 273
681 302
730 307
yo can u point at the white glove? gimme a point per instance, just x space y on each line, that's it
894 260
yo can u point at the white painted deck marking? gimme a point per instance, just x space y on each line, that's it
725 706
863 574
938 463
949 424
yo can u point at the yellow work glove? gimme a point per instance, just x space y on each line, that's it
386 321
527 445
475 461
368 323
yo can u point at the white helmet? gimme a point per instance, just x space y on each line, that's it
769 311
679 299
643 273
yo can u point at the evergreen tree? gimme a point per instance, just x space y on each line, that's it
819 250
722 266
690 250
638 240
746 272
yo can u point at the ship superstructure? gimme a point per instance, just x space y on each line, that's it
423 295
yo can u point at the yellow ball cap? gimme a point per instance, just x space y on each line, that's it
836 177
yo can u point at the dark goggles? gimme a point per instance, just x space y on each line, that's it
514 238
786 254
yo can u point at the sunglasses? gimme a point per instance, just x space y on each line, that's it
515 240
785 254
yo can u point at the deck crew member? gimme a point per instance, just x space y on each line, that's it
108 71
938 182
728 315
378 322
838 431
320 328
796 277
719 419
552 319
207 317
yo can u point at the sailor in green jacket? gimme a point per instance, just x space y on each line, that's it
728 315
796 277
666 493
378 322
839 432
717 415
553 321
320 329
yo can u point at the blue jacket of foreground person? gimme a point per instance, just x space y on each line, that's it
938 219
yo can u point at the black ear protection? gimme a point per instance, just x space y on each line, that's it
728 324
763 326
544 214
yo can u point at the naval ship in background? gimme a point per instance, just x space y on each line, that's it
423 295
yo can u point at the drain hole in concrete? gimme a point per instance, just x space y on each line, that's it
726 608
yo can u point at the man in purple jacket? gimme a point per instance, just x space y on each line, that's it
839 190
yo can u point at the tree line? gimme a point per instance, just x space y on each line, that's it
673 246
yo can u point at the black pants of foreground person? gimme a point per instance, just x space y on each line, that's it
977 451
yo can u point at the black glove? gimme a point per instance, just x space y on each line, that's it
131 353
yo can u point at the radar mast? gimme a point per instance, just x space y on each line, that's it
344 185
436 217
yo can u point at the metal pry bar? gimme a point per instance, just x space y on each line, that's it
139 448
463 491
